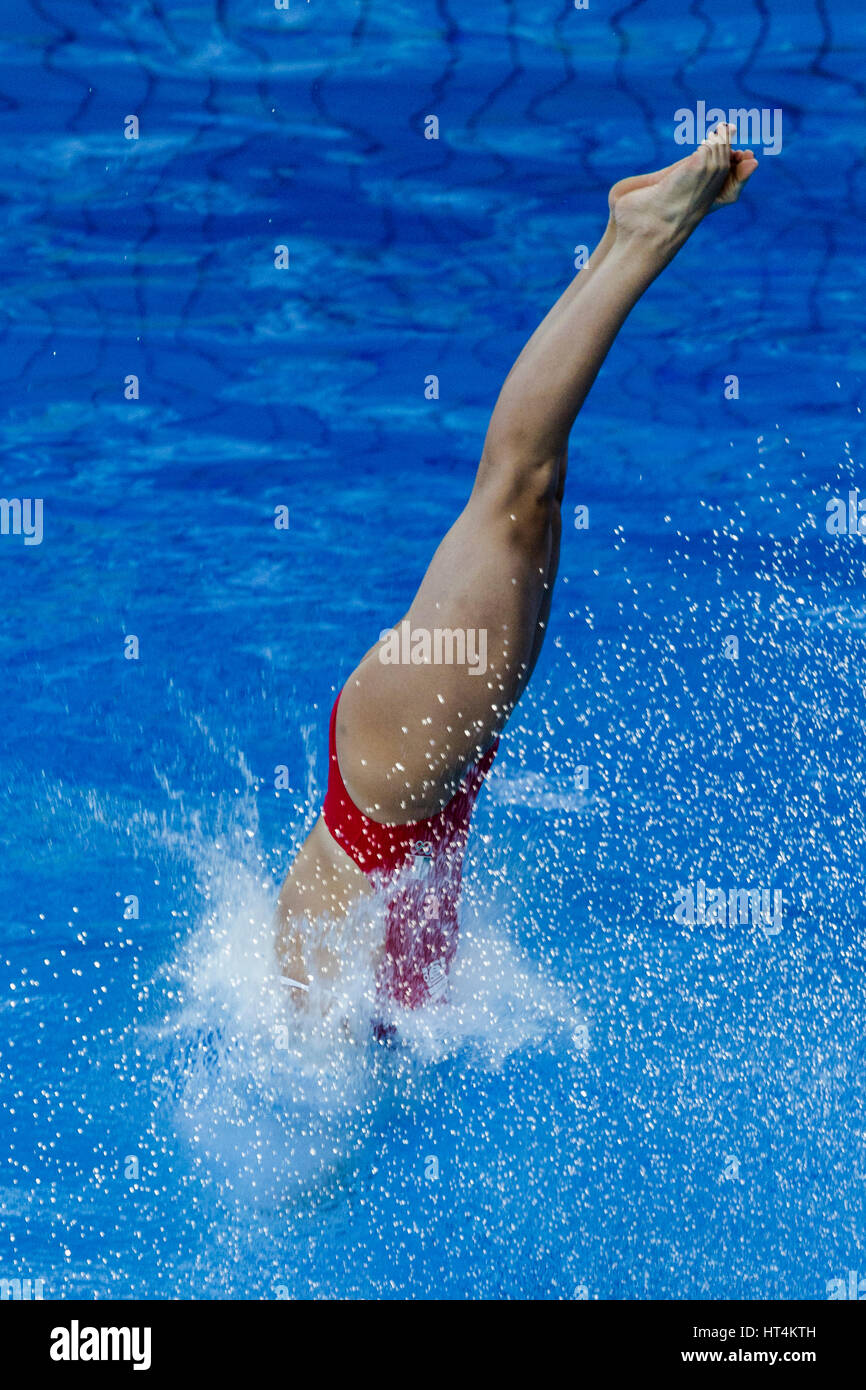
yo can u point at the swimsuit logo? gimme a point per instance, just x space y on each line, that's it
435 978
423 862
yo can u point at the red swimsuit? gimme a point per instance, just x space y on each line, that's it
421 938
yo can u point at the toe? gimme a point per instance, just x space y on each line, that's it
718 142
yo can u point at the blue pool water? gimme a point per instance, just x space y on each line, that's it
618 1105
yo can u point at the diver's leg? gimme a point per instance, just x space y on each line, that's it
550 576
406 731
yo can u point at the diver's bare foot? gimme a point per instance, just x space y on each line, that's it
636 181
623 186
670 203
